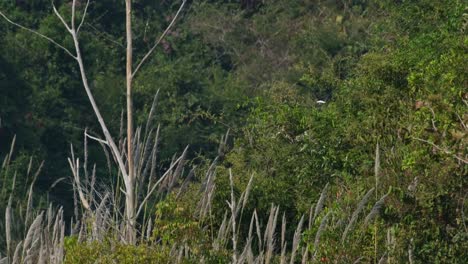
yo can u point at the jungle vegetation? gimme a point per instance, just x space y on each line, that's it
265 131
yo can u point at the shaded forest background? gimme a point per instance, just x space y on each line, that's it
392 74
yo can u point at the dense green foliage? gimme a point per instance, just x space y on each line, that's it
392 74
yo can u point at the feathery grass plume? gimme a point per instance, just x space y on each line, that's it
56 223
172 173
12 147
4 163
41 255
320 230
174 251
72 227
247 254
6 166
165 180
283 240
305 254
49 217
180 254
377 165
178 169
233 207
154 156
99 219
410 252
222 148
32 236
209 179
30 194
321 202
258 231
358 260
269 238
207 189
75 167
151 113
75 202
375 209
8 218
390 243
56 245
138 147
374 212
209 200
247 191
85 153
383 259
147 151
8 222
57 182
91 185
29 167
243 200
356 213
311 215
16 256
238 204
146 155
186 182
149 229
221 233
296 239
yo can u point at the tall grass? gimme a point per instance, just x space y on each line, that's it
31 235
27 234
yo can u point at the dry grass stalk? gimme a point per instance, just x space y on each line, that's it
377 165
283 240
375 209
149 229
207 191
186 182
32 234
320 202
356 213
410 252
296 240
75 168
12 147
219 241
16 256
8 222
320 230
30 192
247 254
247 192
305 255
233 207
383 259
269 237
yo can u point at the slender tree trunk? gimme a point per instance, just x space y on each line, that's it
130 197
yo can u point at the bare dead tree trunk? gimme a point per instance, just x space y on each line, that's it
130 198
